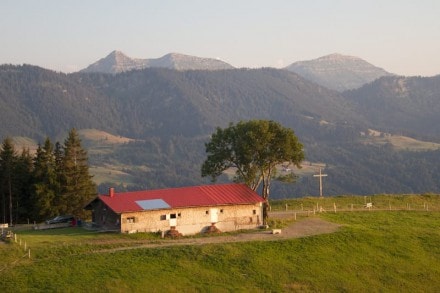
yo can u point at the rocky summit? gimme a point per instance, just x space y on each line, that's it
338 72
117 62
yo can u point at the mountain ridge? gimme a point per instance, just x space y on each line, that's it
338 72
400 104
117 62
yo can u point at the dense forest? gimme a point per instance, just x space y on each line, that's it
54 181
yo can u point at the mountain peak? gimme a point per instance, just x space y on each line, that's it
338 56
338 72
117 62
117 54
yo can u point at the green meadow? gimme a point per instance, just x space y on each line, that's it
377 251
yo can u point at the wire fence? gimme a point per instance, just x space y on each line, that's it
14 239
359 203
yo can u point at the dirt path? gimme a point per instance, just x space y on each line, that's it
302 228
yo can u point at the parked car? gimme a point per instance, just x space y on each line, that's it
60 219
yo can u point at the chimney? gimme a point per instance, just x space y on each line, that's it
111 192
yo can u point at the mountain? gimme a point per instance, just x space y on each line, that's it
147 128
117 62
338 72
408 105
36 102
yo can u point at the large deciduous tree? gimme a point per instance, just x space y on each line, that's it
254 148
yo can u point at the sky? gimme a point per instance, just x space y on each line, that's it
403 36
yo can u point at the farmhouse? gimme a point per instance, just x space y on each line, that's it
188 210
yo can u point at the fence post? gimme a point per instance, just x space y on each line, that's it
29 253
286 206
295 216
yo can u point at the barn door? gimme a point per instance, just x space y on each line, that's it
173 220
214 215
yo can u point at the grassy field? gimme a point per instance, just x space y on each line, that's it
378 251
399 142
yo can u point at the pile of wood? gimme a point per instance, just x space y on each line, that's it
212 229
173 233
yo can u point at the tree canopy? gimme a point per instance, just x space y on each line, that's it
254 148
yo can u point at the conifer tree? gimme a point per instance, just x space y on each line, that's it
59 170
8 159
47 186
24 182
77 186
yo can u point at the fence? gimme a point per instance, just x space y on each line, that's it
360 203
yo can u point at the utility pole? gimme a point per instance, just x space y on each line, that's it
320 175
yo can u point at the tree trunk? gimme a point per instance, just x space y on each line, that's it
265 212
10 201
265 195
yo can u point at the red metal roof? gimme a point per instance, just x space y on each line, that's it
195 196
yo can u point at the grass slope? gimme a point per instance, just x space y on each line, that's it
383 251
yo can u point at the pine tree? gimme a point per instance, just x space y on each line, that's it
59 171
8 158
24 182
47 186
78 187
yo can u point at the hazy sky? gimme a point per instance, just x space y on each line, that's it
401 36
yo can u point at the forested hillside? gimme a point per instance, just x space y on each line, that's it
36 102
168 115
409 105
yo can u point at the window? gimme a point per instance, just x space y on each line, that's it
254 212
163 217
221 211
131 220
207 212
173 216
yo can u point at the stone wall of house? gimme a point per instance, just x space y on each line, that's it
194 220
